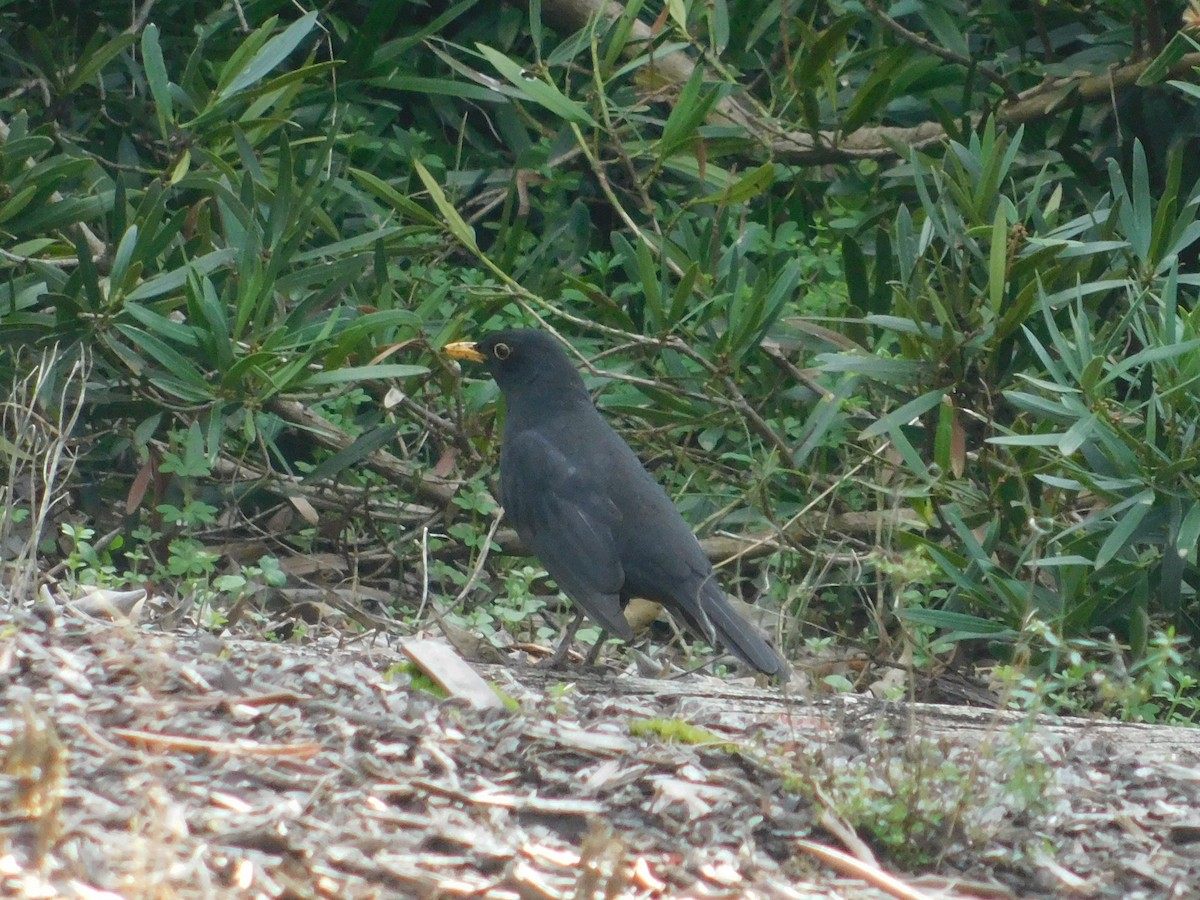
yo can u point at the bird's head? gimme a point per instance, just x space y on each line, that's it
524 361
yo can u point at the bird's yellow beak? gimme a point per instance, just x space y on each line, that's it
463 350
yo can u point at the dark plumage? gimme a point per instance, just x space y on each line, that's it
583 503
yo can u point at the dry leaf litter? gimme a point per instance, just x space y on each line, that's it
140 764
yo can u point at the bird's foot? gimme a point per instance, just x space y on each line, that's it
557 659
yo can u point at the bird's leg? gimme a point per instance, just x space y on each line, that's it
560 652
594 653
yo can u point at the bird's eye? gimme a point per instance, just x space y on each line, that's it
502 351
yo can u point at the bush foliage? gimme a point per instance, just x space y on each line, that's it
907 294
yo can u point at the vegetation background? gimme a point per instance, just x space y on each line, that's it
906 293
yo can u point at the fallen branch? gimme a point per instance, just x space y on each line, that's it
325 434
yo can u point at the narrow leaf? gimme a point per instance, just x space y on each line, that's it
272 54
366 373
1125 527
997 263
535 89
463 232
156 76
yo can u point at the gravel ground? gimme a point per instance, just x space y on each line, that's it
135 763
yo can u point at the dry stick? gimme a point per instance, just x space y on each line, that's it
305 750
873 875
736 401
794 372
800 147
483 555
444 426
523 301
57 463
743 110
327 435
424 573
619 146
782 531
140 17
466 588
1047 97
840 829
602 178
737 398
271 698
318 495
63 263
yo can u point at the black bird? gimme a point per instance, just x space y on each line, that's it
582 502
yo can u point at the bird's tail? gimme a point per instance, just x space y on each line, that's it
737 635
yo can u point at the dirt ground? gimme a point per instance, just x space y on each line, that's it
135 763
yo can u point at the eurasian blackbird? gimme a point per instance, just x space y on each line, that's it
582 502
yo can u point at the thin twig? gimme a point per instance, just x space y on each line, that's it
63 263
185 744
483 555
923 43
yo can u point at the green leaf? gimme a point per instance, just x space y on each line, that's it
998 259
683 291
687 114
824 415
679 13
1192 90
366 373
393 197
1160 67
376 324
272 54
124 255
364 445
68 211
946 28
780 293
463 232
651 287
822 50
166 282
257 364
943 441
209 315
1135 510
1077 435
749 186
866 103
156 77
1054 562
966 627
19 201
874 93
888 371
1026 440
90 67
1189 534
424 87
179 367
1150 355
905 414
535 89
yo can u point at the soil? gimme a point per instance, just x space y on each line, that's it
138 763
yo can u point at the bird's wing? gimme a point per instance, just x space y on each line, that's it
568 521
